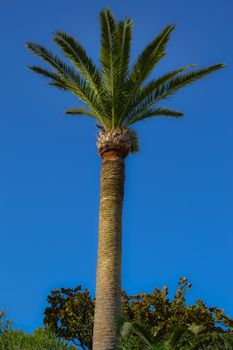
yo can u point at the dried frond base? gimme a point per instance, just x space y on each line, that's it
118 140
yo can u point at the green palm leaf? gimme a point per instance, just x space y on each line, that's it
151 94
108 61
171 86
80 111
150 56
108 27
124 31
115 95
64 70
145 63
70 78
114 58
131 328
123 37
77 55
56 78
159 111
145 93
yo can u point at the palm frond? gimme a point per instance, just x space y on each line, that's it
124 30
56 79
150 56
114 58
74 51
71 78
46 55
108 28
145 63
154 112
171 86
80 111
122 39
152 94
209 341
74 83
58 85
134 141
131 328
115 95
146 92
109 61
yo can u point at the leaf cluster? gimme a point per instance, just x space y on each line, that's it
160 315
115 93
70 315
40 339
132 337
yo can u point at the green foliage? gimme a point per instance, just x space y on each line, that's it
11 339
161 315
182 338
71 315
71 311
115 94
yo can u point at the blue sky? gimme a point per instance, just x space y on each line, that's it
179 189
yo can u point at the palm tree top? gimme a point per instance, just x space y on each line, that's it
115 94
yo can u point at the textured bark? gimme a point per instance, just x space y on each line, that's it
108 279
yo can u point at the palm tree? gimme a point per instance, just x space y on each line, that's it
116 96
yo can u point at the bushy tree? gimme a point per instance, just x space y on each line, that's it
70 315
41 339
160 315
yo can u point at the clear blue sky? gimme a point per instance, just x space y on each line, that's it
179 189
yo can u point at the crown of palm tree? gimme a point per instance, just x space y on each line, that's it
115 94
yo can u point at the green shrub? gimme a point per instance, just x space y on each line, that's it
41 339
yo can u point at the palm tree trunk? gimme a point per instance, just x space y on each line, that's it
108 279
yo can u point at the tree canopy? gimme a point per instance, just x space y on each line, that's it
70 314
117 93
